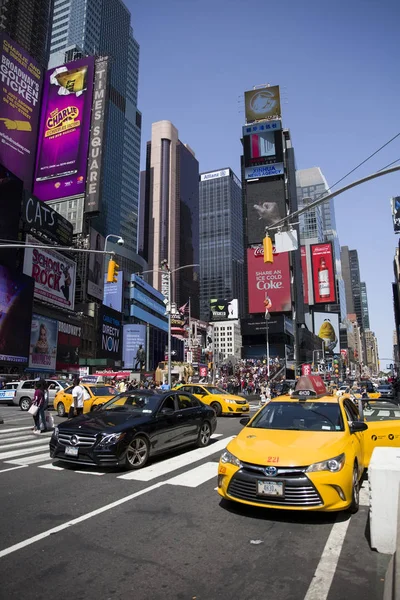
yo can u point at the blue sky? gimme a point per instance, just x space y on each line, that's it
338 67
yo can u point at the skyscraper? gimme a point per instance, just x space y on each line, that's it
221 239
103 27
171 213
28 23
364 305
351 276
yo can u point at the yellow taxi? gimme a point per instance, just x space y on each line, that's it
220 400
98 392
307 451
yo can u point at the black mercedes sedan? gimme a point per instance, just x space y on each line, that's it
130 428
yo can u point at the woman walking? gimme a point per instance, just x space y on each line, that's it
38 400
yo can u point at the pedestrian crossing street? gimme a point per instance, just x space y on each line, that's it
20 448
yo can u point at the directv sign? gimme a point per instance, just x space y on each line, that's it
264 171
262 127
214 175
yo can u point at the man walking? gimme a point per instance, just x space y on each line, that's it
77 399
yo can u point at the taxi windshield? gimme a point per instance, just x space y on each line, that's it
216 390
301 416
137 403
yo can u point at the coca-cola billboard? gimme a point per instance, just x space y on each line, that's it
323 273
268 280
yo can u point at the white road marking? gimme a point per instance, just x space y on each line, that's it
51 467
12 469
90 473
32 442
81 519
216 435
14 429
364 494
6 439
177 462
14 453
196 476
384 413
30 460
323 576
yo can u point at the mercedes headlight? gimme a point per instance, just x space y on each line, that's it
227 457
111 438
333 465
55 432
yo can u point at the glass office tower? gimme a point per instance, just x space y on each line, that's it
221 239
102 27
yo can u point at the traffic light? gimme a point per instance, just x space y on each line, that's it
112 273
267 244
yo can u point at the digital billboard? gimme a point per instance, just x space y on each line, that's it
113 292
41 217
395 204
53 273
16 299
109 333
265 205
43 346
20 91
324 284
264 103
69 342
10 211
326 327
62 153
134 348
268 280
304 274
262 148
95 278
222 310
272 170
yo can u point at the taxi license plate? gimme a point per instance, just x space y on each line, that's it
270 488
71 451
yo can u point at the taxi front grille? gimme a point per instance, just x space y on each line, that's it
299 492
241 401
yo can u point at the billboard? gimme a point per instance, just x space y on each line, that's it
21 85
96 141
264 103
95 283
272 280
16 299
113 292
324 284
222 310
43 347
109 337
265 205
41 217
395 204
326 327
63 142
214 175
262 148
69 342
304 273
134 348
10 211
53 273
264 171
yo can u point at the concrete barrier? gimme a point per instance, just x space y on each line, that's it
384 481
392 578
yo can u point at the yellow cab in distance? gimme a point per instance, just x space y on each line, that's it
220 400
92 392
307 451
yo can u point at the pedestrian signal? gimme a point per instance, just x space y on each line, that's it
112 272
267 244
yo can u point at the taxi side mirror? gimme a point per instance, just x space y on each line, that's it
358 426
244 421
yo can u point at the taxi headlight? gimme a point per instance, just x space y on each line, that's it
228 457
230 401
111 438
333 465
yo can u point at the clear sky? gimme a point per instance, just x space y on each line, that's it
338 65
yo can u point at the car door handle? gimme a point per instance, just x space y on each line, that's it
179 416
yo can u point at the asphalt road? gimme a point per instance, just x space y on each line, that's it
163 533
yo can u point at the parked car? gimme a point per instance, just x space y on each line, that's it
8 392
26 389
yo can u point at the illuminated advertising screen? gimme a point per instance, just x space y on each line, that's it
20 91
16 299
43 348
63 143
222 310
109 336
260 172
304 273
324 284
265 204
43 218
264 103
395 203
54 275
268 281
134 348
69 342
262 147
113 292
95 279
326 327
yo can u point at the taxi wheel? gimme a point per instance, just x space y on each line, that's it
137 453
355 495
61 410
204 435
217 407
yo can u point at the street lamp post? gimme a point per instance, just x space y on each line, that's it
267 318
120 240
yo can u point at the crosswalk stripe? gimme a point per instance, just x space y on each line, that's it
384 413
196 476
2 431
33 442
51 467
177 462
30 460
11 438
14 453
